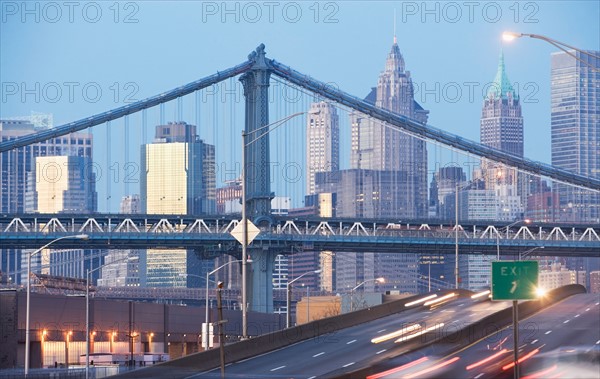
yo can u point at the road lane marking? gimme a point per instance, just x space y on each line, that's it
597 303
587 309
348 343
312 377
460 305
479 376
318 355
381 331
598 342
577 316
277 368
381 351
548 332
349 364
533 342
566 321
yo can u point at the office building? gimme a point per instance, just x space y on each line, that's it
377 146
178 177
124 272
322 142
575 129
17 169
62 184
502 129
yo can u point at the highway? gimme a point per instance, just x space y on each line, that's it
561 341
347 349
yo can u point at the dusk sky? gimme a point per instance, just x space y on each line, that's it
450 48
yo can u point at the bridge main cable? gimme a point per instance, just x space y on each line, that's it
126 109
430 132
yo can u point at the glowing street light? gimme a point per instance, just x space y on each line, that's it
510 36
288 315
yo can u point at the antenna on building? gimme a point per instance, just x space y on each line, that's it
395 40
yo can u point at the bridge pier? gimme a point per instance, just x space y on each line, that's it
257 179
261 280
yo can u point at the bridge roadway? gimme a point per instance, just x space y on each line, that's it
563 341
346 348
212 234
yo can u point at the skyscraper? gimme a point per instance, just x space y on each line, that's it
178 177
62 184
178 172
322 142
124 272
501 119
575 129
375 146
17 170
502 129
387 178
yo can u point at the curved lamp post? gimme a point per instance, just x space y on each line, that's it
509 36
27 310
288 315
378 280
505 229
264 130
205 332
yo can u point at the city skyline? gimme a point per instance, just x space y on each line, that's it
473 49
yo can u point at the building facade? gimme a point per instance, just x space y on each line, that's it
322 142
17 171
178 177
575 129
502 129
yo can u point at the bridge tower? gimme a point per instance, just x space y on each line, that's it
257 178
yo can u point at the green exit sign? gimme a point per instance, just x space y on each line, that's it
514 280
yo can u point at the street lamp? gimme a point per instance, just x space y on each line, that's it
288 316
87 310
245 144
378 280
205 338
503 229
525 253
27 331
509 36
458 188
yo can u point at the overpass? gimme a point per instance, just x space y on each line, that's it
211 235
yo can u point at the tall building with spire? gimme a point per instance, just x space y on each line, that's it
322 142
502 129
389 176
376 146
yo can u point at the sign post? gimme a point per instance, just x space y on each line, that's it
515 280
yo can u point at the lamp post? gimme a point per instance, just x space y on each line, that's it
509 36
27 310
264 130
525 253
378 280
288 315
205 332
87 310
458 188
503 229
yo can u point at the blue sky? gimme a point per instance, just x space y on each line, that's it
146 47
